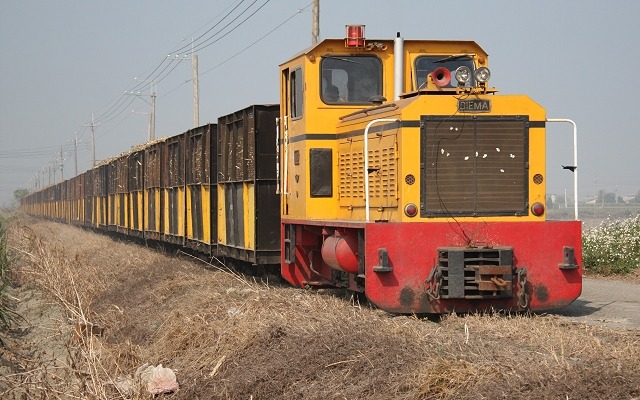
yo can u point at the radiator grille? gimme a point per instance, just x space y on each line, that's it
474 166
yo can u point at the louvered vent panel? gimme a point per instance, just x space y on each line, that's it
351 175
383 179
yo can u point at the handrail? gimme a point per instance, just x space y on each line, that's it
277 155
574 167
285 157
366 161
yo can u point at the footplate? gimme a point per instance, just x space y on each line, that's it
476 273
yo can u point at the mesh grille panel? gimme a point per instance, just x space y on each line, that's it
475 166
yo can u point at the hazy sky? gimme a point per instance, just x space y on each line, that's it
63 61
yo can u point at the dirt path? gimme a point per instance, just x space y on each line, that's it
610 303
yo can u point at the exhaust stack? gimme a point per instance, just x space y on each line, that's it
398 65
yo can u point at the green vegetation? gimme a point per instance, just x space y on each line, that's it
613 247
7 315
20 193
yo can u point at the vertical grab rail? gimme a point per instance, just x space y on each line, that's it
574 167
285 157
366 161
277 155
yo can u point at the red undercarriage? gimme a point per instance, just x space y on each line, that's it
429 268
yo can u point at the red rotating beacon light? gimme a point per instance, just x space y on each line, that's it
355 36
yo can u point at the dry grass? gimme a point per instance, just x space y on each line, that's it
229 336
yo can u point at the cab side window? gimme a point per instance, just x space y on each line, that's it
350 79
296 85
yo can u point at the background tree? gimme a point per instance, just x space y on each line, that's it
20 193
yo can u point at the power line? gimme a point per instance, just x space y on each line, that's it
116 104
299 11
236 14
119 107
146 84
257 41
213 27
29 153
202 47
126 117
142 85
123 107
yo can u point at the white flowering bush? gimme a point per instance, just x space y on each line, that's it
613 247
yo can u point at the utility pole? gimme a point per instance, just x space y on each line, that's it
93 142
196 99
595 198
61 167
196 95
315 22
75 154
152 117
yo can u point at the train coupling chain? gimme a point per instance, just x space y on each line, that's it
523 297
433 283
499 282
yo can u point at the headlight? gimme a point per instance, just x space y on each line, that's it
463 74
482 74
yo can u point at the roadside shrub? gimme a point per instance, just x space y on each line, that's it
7 315
613 247
4 261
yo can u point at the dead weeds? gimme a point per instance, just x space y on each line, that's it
229 336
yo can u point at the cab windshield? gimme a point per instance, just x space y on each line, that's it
424 65
350 79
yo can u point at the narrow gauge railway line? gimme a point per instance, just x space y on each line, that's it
390 168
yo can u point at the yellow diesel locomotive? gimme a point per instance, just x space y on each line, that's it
404 175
